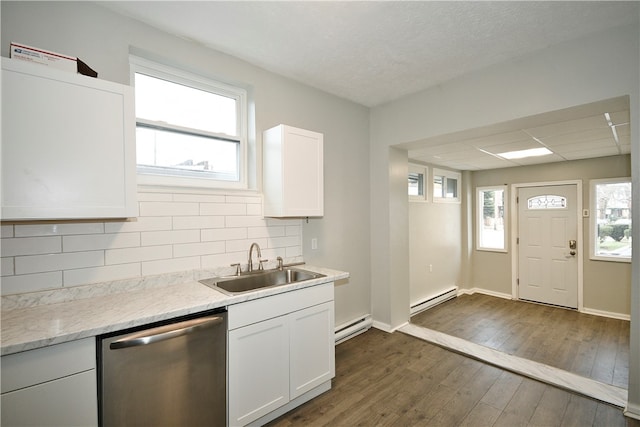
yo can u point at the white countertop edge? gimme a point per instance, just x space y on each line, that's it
50 324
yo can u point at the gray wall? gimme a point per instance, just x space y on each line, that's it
552 79
104 40
606 285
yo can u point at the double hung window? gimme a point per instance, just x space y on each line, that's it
190 130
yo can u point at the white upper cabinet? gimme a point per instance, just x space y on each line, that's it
68 145
293 172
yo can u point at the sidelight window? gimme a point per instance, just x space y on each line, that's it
491 218
611 219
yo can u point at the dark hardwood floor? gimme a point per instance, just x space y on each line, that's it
397 380
592 346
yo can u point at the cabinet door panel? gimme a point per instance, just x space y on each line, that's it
312 348
258 370
69 401
68 145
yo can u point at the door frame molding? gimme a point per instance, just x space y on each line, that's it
515 217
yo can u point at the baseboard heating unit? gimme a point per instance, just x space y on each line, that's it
351 329
429 302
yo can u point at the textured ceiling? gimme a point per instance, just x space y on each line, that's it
373 52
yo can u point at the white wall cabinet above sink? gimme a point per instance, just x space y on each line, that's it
68 145
293 172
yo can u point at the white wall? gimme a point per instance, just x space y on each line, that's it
104 40
594 68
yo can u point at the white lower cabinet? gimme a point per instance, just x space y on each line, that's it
281 359
51 386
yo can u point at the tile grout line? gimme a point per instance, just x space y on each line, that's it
560 378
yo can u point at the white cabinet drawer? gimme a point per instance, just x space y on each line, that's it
277 305
37 366
69 401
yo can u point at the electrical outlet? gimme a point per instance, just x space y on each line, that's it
430 268
314 243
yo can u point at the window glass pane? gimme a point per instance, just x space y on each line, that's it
184 152
416 184
438 186
164 101
491 227
547 201
452 188
613 216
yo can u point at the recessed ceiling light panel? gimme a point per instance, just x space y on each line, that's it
521 154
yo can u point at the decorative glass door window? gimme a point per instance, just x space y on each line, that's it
547 201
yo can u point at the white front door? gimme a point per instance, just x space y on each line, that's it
547 250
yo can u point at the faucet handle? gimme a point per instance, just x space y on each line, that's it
238 268
279 259
260 261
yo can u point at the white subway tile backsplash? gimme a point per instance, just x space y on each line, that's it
58 229
258 232
155 197
100 274
254 210
155 238
6 231
6 266
203 248
201 198
279 242
170 265
293 251
225 260
197 222
55 262
244 199
217 234
244 221
100 241
223 209
174 232
31 246
168 209
244 245
144 253
143 223
31 282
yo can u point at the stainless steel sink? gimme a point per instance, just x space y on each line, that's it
259 279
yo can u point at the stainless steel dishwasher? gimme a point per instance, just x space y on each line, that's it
167 374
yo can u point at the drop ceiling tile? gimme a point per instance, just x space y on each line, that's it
585 146
596 152
578 137
620 117
561 128
498 139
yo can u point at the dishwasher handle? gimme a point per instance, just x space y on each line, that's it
162 333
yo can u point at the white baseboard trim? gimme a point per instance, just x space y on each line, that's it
619 316
385 327
632 411
484 292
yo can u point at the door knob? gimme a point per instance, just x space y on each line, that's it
572 253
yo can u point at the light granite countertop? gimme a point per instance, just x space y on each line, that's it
48 318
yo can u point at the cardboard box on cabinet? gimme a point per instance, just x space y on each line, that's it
51 59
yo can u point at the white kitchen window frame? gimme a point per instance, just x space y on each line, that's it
153 177
480 218
446 174
593 223
424 171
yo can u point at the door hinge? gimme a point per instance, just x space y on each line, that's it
518 282
517 199
517 240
